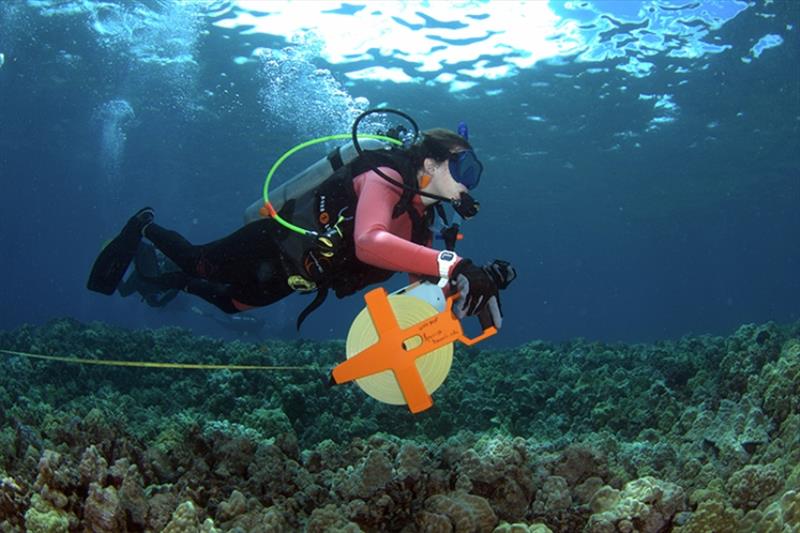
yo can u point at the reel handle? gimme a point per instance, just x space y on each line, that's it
484 318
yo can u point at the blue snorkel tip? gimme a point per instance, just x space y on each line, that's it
463 130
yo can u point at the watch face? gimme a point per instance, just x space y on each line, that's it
446 256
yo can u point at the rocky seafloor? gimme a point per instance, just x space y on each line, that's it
696 435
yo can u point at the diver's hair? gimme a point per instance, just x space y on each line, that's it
437 144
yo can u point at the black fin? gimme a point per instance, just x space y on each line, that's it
113 261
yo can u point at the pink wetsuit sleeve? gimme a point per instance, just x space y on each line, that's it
382 241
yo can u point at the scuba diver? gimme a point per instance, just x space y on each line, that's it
371 217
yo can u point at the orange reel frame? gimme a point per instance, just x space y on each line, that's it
392 353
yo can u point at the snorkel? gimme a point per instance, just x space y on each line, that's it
463 130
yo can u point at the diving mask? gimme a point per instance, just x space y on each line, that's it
465 168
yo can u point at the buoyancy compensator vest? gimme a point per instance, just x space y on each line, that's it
324 258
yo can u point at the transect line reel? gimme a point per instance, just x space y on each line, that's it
400 347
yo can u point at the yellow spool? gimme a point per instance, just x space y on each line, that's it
432 367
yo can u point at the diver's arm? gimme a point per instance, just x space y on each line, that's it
412 277
379 239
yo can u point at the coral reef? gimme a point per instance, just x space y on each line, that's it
465 512
646 505
688 436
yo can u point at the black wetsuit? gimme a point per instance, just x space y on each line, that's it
242 270
252 266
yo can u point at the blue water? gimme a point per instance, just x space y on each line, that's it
643 175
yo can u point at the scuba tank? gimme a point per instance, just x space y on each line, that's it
310 178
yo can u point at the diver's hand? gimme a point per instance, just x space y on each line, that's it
502 273
477 292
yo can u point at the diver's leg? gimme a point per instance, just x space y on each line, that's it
172 244
217 294
166 297
238 259
248 256
264 293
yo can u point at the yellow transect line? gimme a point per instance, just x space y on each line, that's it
148 364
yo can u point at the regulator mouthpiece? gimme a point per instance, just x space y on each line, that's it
466 206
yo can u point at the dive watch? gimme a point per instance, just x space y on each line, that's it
446 259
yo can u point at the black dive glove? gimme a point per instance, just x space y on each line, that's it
478 288
502 273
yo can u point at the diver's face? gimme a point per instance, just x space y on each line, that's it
442 182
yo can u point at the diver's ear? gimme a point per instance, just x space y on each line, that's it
429 166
